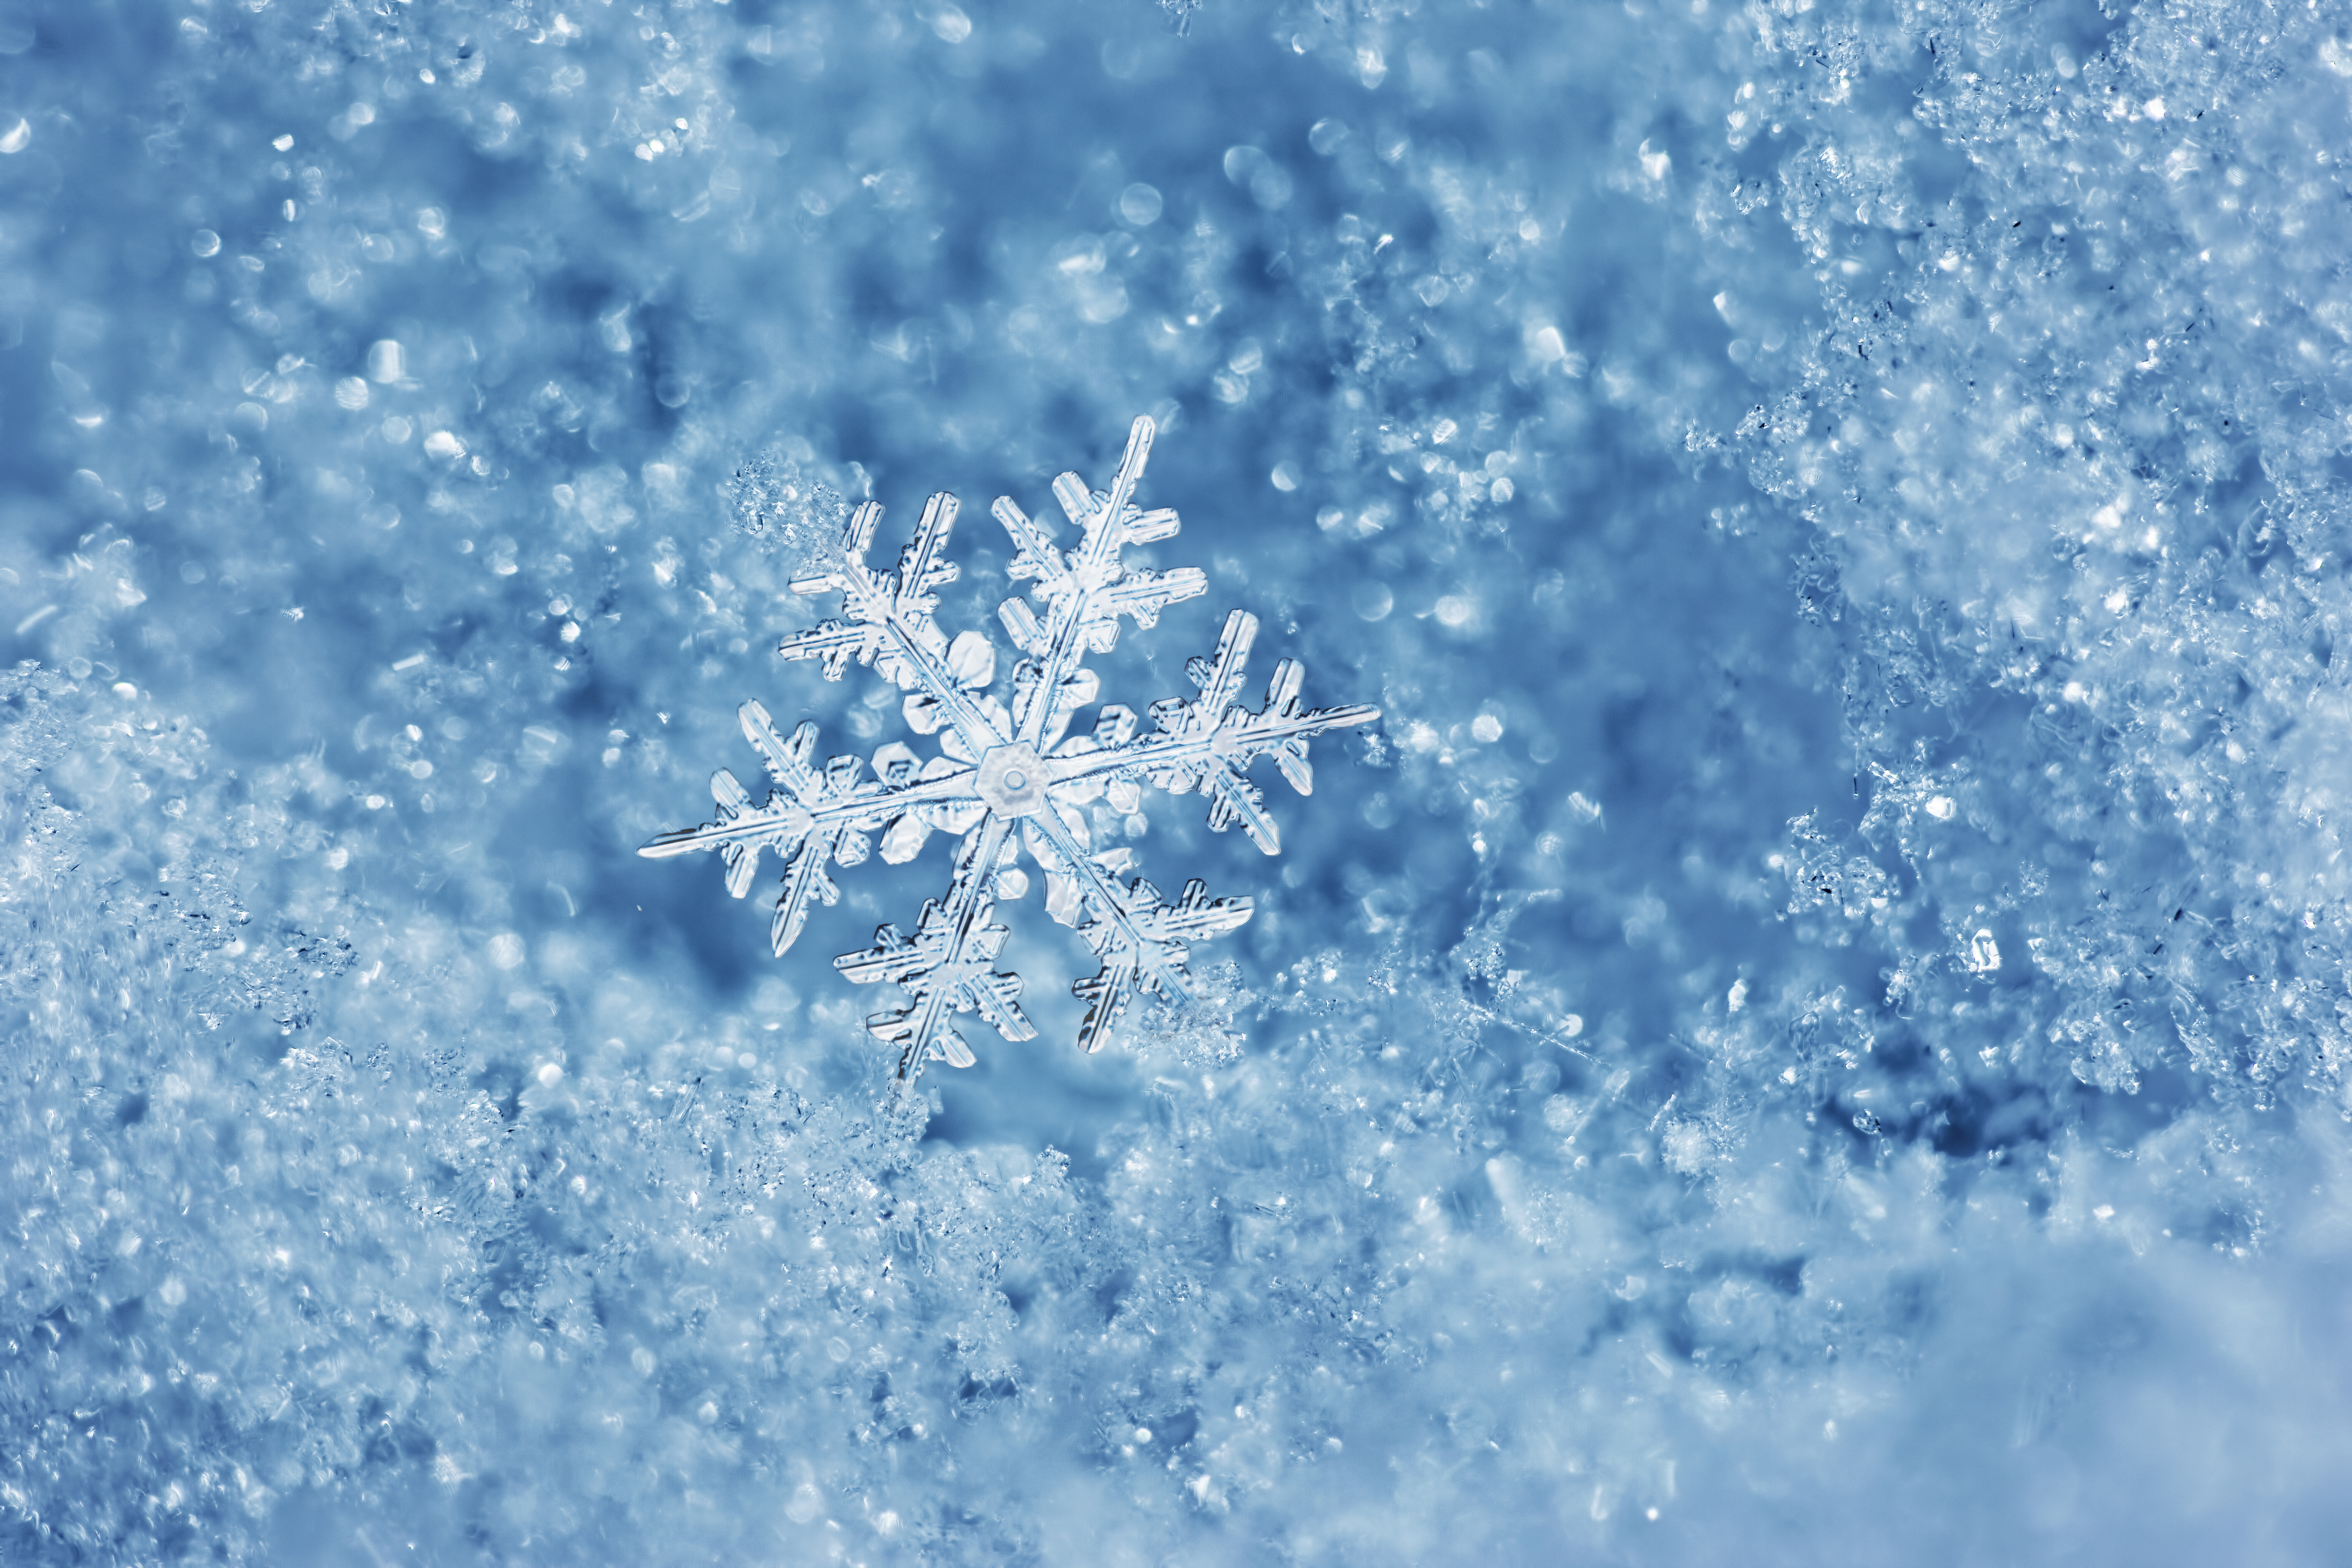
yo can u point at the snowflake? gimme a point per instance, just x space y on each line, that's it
1008 779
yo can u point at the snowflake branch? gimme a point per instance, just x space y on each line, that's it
813 818
1209 744
945 969
890 625
1088 590
1141 940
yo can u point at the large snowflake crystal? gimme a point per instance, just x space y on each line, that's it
1012 778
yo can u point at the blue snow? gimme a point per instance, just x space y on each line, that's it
1813 1028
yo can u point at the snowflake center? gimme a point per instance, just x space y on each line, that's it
1011 780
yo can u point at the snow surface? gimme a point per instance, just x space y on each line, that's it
1813 1029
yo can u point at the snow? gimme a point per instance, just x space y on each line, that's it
1811 1027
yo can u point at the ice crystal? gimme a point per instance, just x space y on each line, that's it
1009 777
780 507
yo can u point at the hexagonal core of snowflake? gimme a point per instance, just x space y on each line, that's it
1011 780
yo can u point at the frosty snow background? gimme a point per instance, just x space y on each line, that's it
1813 1030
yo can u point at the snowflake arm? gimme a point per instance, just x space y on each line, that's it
1149 949
1142 942
889 625
814 817
1208 744
946 968
1086 590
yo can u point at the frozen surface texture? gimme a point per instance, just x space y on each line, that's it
1009 778
1812 1029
